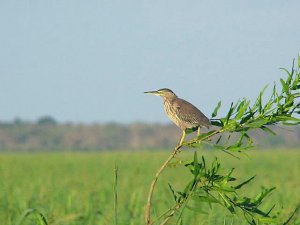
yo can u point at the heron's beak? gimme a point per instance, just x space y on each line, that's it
152 92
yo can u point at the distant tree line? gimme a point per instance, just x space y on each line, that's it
47 134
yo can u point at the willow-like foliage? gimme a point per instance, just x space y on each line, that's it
210 185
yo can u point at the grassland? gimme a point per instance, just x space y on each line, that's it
77 188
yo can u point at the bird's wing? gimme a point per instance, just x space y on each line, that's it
189 113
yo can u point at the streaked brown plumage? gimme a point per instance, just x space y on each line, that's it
182 113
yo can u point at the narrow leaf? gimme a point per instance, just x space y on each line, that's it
284 86
244 183
173 192
215 113
268 130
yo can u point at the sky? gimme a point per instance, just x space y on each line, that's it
91 61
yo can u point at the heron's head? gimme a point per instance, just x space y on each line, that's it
164 92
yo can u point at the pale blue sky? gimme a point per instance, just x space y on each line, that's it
91 61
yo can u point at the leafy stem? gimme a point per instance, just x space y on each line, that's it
231 134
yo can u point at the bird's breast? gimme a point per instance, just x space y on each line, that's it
169 109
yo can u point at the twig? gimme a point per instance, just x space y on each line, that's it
170 215
187 143
161 169
148 206
161 216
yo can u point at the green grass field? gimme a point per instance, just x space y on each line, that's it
77 188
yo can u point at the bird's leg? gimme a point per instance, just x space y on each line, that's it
198 133
182 137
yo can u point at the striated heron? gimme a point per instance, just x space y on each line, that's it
182 113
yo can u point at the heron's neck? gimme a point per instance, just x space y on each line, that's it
169 99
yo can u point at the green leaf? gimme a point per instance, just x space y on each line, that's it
232 125
204 136
285 70
188 187
220 147
295 82
229 114
197 166
259 100
293 214
190 130
214 114
245 201
286 118
227 203
289 101
228 175
259 212
219 139
223 188
244 183
290 77
247 117
206 198
270 210
265 192
217 123
203 162
242 108
258 123
173 192
268 130
290 123
284 86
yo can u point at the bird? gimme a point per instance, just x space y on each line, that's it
181 112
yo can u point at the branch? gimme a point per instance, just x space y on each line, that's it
161 169
281 108
199 139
